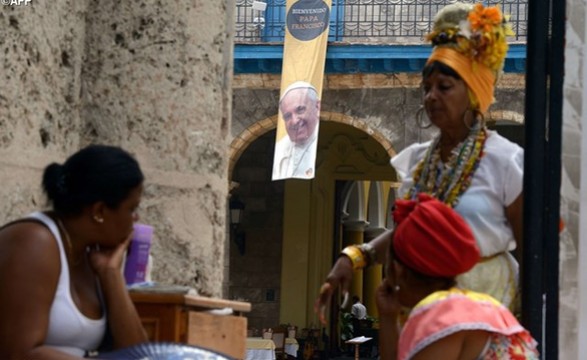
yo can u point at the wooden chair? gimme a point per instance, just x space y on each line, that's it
279 335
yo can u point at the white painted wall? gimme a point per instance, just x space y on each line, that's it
573 249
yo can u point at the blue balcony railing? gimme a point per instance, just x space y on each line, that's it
365 21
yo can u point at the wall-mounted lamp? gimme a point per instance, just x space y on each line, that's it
259 23
237 209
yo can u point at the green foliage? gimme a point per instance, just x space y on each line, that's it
371 319
346 326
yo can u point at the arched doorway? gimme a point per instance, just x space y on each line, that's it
290 226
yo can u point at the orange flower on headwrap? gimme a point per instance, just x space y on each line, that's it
485 19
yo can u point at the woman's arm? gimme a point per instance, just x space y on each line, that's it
124 321
29 273
388 339
389 308
381 243
341 274
515 215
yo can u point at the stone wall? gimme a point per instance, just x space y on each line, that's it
390 109
144 75
40 67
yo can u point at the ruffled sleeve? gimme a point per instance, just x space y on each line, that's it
405 162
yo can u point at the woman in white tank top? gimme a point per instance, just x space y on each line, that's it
60 279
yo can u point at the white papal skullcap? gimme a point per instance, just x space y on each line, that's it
297 85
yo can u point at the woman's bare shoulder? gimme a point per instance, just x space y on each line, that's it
29 241
29 273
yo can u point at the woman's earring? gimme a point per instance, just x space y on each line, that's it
98 219
470 127
477 116
419 120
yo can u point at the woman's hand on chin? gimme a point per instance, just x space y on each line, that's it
105 260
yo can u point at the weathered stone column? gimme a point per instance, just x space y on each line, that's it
153 77
157 81
41 50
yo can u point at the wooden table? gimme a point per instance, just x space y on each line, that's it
358 341
182 318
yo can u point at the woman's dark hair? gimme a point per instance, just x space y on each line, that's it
94 173
442 68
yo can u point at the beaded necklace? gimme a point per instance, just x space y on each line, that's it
447 182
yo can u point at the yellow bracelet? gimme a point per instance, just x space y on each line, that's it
357 257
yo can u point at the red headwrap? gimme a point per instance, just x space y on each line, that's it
433 239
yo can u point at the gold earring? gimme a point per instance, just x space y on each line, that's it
477 116
465 118
98 219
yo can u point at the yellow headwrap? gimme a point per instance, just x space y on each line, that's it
477 76
471 39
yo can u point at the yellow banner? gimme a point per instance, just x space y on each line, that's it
302 75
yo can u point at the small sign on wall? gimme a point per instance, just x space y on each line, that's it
259 5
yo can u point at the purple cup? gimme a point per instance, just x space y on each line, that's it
137 256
